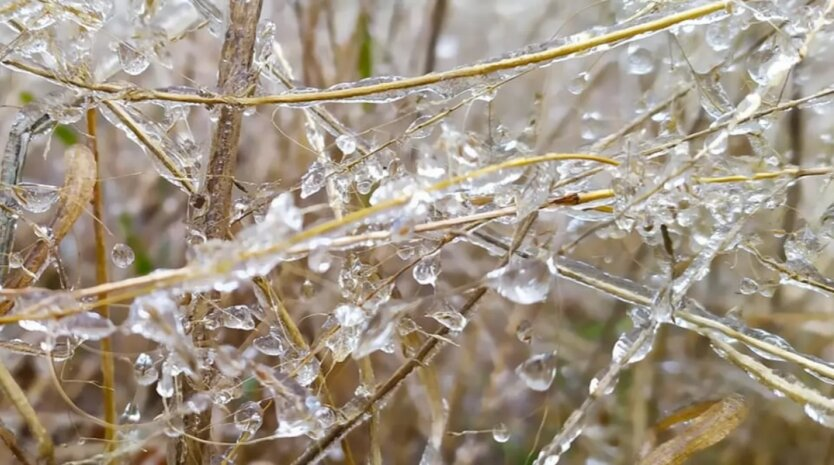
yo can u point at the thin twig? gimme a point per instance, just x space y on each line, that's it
211 207
108 376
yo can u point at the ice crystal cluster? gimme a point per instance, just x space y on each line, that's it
429 231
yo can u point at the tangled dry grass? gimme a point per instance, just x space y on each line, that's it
386 231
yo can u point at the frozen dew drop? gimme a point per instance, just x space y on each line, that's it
282 212
306 373
640 60
748 286
346 144
319 259
165 385
501 433
198 402
716 143
420 128
431 456
15 260
122 255
238 317
827 222
313 180
819 415
249 417
624 345
308 289
578 84
131 414
349 315
35 198
524 331
486 94
89 326
538 371
748 106
133 62
450 318
523 280
269 345
426 270
719 35
592 125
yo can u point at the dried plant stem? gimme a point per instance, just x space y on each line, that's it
287 323
705 430
18 398
795 390
10 441
573 425
129 288
664 148
524 59
151 145
483 69
211 207
366 372
107 365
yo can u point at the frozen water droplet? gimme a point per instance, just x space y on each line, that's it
592 125
426 270
827 222
313 180
350 315
626 341
87 325
238 317
431 456
133 62
165 385
450 318
501 433
538 371
283 212
819 415
15 260
308 289
122 255
35 198
131 414
249 417
346 144
420 128
640 60
719 35
319 259
523 280
269 345
716 143
305 374
748 106
524 331
486 94
578 84
748 286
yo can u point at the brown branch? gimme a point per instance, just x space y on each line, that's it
108 376
211 206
